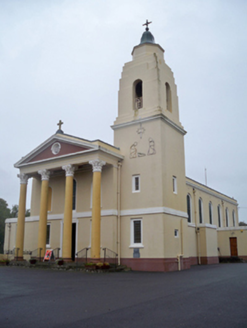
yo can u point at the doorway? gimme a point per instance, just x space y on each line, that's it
73 246
233 246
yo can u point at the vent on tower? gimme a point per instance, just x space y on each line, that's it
138 103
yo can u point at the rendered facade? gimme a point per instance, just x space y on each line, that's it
134 197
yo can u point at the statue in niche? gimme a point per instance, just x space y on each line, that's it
151 149
133 150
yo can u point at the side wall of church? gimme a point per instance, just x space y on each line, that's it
224 235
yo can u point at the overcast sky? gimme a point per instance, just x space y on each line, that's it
63 60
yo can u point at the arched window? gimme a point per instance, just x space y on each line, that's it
210 207
168 97
200 211
233 218
219 215
49 199
74 195
138 98
227 217
189 208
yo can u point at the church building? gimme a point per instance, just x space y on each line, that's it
133 197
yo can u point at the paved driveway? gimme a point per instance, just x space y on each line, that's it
205 296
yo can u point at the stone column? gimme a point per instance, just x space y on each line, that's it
67 223
21 217
45 175
96 208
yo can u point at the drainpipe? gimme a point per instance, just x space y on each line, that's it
179 265
9 226
180 256
197 230
118 211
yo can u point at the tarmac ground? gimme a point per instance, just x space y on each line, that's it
204 296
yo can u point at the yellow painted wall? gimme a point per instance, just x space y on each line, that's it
224 241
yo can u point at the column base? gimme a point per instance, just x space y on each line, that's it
19 258
67 259
94 260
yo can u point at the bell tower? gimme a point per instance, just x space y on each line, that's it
147 86
148 131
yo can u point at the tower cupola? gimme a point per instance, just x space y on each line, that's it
147 36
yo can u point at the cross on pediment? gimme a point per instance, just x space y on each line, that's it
60 123
146 24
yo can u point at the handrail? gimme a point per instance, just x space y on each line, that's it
82 254
110 256
36 253
56 252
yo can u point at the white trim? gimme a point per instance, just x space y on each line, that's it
215 193
207 225
55 137
147 119
192 225
154 210
110 212
50 141
232 228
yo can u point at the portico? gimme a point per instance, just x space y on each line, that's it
80 159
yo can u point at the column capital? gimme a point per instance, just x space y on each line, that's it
23 178
45 174
69 169
97 165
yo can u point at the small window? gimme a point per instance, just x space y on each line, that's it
233 218
138 98
219 215
200 211
136 232
210 213
227 218
174 184
136 183
74 194
48 235
176 233
168 98
189 208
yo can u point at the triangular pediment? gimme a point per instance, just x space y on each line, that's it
55 147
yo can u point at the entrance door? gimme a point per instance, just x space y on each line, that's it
73 246
233 246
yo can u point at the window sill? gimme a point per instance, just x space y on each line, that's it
136 246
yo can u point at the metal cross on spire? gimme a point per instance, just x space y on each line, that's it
146 24
60 123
